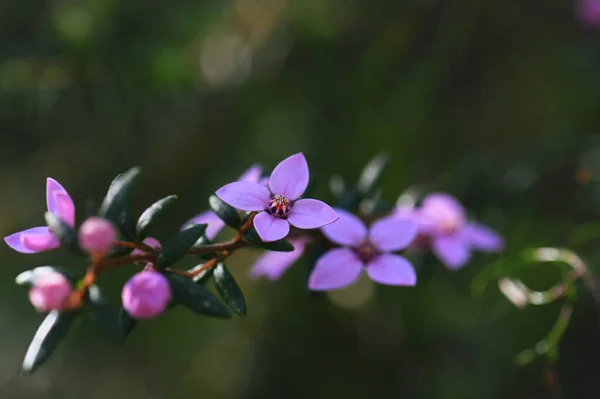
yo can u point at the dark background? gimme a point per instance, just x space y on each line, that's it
494 102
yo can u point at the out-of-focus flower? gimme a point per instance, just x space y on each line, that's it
146 294
365 249
588 12
97 236
38 239
50 292
279 205
272 264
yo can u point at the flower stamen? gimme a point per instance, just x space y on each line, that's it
280 206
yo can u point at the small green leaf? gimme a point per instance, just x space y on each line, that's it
178 246
228 290
126 322
150 215
372 173
47 338
103 313
196 298
280 246
226 212
65 233
117 197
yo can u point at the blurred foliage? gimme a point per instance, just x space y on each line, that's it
494 102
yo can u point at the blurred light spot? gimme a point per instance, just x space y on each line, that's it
356 296
225 58
17 75
75 24
583 176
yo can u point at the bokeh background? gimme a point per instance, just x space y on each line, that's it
494 102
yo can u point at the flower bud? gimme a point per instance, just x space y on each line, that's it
97 236
146 294
50 292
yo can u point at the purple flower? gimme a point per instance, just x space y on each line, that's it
38 239
146 294
364 249
215 224
452 237
278 205
588 12
272 264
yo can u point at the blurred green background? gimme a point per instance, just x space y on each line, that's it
494 102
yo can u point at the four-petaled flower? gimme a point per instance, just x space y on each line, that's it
365 249
444 224
279 203
215 224
38 239
272 264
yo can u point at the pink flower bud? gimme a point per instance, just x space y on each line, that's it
97 236
146 294
49 292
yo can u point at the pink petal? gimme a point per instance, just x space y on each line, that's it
391 269
451 250
440 208
252 174
245 195
273 264
483 238
215 224
347 230
59 201
290 177
36 239
392 233
311 214
270 228
337 268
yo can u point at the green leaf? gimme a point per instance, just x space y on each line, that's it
226 212
65 233
126 322
280 246
103 313
127 224
118 194
150 215
201 242
178 246
51 332
372 173
228 289
204 276
196 298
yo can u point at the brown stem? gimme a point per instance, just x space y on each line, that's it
135 245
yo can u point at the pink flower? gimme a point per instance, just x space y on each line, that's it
146 294
38 239
364 249
279 204
588 12
215 224
443 220
97 236
50 292
272 264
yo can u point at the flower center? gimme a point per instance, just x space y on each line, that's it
449 225
280 206
366 251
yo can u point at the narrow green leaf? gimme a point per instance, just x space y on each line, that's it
372 173
204 276
65 233
51 332
127 224
152 214
126 322
103 313
226 212
228 290
118 195
280 246
178 246
196 298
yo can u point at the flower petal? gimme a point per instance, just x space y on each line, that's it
391 269
245 195
30 241
311 214
59 201
483 238
439 209
337 268
273 264
347 230
252 174
451 250
215 224
270 228
392 233
290 177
